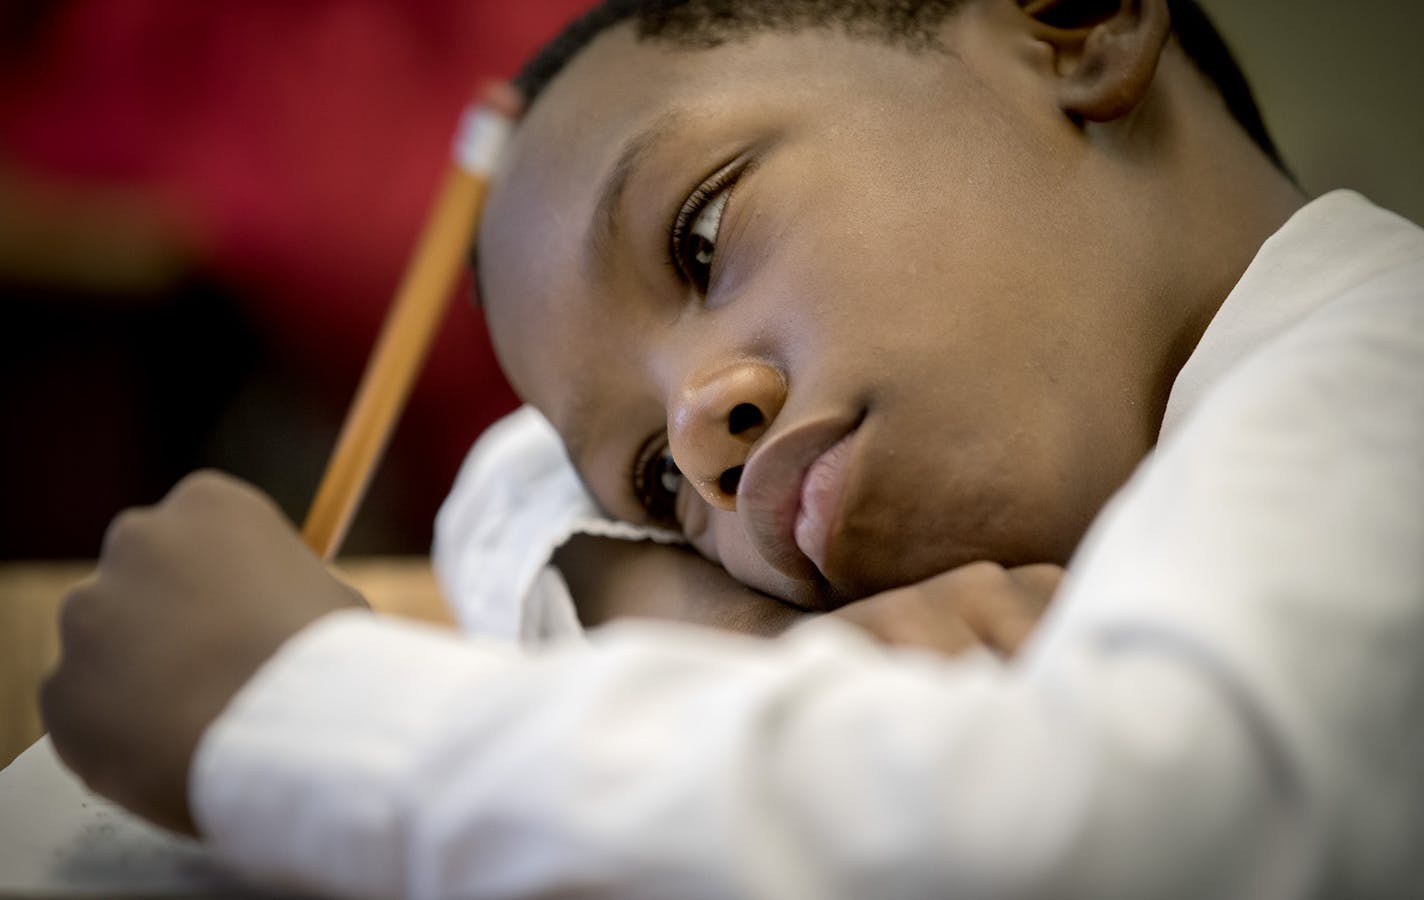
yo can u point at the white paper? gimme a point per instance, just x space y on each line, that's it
58 839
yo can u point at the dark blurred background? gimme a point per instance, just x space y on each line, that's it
205 207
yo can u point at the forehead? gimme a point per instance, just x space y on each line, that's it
539 211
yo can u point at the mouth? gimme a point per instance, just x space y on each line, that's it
791 493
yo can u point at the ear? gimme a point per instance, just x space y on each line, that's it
1105 51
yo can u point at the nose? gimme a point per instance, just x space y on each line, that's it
714 420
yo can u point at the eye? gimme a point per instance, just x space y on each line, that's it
656 482
693 240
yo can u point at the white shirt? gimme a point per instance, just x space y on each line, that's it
1227 700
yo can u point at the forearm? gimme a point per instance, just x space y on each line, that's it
371 759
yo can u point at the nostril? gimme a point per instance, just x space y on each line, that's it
730 480
743 417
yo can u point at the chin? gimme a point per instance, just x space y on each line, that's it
875 577
853 575
874 555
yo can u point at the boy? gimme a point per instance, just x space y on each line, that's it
856 307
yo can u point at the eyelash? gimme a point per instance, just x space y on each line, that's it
680 245
653 495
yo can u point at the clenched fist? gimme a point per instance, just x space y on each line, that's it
190 598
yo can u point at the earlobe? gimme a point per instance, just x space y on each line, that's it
1105 51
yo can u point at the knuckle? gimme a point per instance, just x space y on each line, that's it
210 489
75 616
985 569
125 531
982 575
203 486
1046 573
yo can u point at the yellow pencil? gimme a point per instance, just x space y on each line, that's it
410 325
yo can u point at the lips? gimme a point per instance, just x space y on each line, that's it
791 493
821 492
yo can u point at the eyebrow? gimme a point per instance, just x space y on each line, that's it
603 226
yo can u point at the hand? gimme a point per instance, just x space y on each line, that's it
190 598
981 604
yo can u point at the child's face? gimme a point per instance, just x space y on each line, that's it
917 253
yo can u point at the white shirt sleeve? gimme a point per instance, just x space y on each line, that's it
1227 702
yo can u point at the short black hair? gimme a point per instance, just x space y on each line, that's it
907 23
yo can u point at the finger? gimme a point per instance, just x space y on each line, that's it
76 602
1006 627
69 712
55 706
948 634
210 489
125 533
1042 580
911 617
1005 606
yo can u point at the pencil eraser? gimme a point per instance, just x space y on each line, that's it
480 138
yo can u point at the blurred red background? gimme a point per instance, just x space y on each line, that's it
204 210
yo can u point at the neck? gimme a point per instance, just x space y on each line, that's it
1227 198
